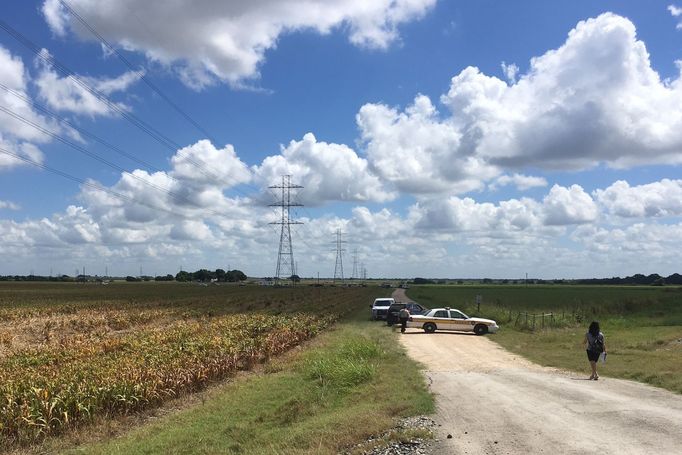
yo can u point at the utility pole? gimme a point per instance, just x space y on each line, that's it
338 266
286 267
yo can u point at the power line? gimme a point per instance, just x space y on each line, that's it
90 184
303 239
130 117
77 128
64 70
84 132
99 158
144 77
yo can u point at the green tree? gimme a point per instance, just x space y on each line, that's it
235 275
183 276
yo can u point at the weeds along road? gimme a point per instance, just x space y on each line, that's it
494 402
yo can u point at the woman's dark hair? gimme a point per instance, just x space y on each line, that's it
594 328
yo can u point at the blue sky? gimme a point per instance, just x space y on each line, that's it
446 139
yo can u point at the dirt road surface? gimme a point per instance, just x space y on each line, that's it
494 402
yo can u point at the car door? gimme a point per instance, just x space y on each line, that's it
442 320
458 322
415 308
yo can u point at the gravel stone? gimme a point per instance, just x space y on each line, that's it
414 446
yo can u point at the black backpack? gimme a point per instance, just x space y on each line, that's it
598 344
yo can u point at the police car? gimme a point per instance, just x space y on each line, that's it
450 319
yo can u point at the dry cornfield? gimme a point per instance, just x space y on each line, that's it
71 352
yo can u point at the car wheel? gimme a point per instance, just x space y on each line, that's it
481 329
429 327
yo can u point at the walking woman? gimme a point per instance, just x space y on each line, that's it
594 344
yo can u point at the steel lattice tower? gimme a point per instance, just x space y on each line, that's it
338 267
355 275
286 267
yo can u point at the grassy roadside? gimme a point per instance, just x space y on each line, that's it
646 354
642 325
338 391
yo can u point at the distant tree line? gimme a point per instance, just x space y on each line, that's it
423 281
638 279
37 278
221 275
204 275
652 280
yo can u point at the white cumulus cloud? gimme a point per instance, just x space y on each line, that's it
330 172
520 181
16 136
69 93
595 99
418 153
569 206
657 199
227 40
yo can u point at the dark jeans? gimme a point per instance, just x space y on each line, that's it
403 324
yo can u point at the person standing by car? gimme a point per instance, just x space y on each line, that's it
595 346
404 316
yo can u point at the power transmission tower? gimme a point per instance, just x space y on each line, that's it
338 267
286 267
355 275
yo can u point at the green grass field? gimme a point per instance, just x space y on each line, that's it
642 325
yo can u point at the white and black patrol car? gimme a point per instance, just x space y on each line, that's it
450 319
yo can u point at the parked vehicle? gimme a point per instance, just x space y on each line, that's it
393 314
380 307
450 319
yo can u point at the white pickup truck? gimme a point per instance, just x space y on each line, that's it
380 307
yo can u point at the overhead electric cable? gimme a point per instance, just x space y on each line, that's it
130 117
144 77
64 70
99 158
90 184
77 128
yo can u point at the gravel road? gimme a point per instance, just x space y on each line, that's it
494 402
